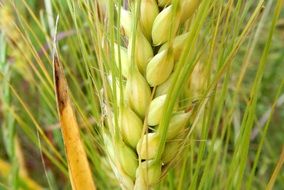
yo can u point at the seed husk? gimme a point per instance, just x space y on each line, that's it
188 8
127 159
138 93
131 126
148 172
148 145
162 26
149 11
160 68
126 181
178 45
140 184
143 51
177 124
170 151
156 110
124 60
164 87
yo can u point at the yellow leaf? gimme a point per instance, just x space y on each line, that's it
79 170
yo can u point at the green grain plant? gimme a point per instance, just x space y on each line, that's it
137 107
161 94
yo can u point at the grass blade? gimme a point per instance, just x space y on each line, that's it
79 170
